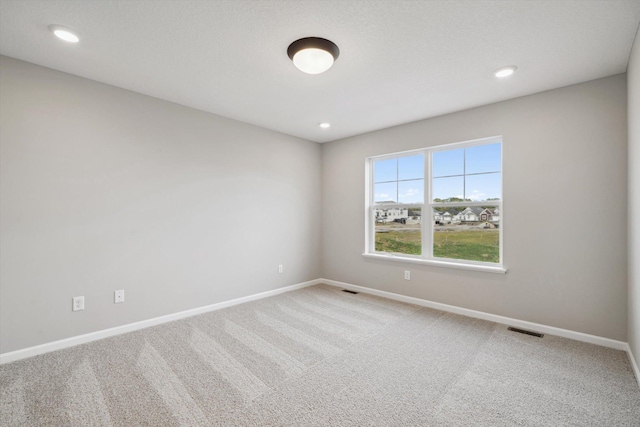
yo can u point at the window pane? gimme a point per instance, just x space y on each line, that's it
385 170
411 167
411 191
483 158
448 189
472 233
398 230
387 192
483 187
447 163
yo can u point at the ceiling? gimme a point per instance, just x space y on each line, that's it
400 61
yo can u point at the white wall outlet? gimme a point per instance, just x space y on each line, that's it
407 275
280 269
118 296
78 303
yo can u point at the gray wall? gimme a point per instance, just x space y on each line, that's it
105 189
633 79
564 157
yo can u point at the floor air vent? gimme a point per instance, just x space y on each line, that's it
522 331
349 292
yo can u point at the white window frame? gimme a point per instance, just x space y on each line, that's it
427 225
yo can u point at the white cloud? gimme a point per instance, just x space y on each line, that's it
477 195
411 192
411 195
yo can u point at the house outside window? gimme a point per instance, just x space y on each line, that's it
439 205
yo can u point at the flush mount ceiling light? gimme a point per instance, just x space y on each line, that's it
313 55
505 71
64 33
325 125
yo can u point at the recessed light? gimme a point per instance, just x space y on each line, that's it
505 71
64 33
313 55
325 125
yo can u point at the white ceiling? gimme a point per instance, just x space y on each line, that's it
400 61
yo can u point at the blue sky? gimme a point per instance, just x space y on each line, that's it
473 173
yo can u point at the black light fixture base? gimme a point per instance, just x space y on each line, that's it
313 43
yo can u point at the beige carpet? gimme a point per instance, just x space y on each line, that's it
322 357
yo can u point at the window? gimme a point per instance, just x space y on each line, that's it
398 189
440 205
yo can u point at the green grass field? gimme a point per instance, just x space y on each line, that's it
473 245
404 242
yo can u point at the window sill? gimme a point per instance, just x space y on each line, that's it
448 264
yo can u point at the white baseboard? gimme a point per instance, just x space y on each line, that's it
105 333
93 336
578 336
634 365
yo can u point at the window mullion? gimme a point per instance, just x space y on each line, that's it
397 183
464 174
371 221
427 219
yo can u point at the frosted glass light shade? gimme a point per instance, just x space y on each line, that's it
313 61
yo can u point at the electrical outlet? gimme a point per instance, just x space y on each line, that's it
280 269
118 296
78 303
407 275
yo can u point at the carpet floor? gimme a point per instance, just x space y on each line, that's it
322 357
